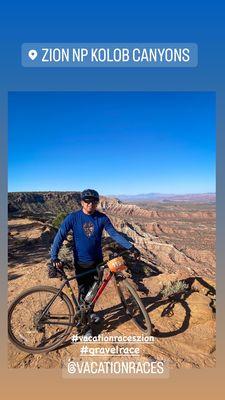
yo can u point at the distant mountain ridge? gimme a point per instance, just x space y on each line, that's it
198 197
52 203
180 236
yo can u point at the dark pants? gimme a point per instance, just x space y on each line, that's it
86 281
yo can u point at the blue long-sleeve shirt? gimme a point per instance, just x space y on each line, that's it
87 234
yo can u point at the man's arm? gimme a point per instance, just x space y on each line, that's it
116 235
61 236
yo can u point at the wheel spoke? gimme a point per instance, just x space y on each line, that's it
32 330
133 306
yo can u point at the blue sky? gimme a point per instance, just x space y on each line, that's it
117 142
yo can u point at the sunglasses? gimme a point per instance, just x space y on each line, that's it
89 201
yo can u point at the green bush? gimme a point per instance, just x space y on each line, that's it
58 220
173 288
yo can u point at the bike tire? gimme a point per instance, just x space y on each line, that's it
60 340
146 326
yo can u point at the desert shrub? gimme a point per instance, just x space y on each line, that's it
66 252
173 288
58 219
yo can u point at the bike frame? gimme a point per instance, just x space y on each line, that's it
76 302
77 305
99 292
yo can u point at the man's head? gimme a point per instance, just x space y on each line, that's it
89 201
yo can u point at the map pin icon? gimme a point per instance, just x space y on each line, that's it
32 54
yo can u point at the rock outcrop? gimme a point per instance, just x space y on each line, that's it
178 248
183 322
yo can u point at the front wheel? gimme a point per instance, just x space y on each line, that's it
34 330
134 307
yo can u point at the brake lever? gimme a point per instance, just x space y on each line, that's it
61 272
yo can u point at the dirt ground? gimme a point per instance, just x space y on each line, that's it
183 329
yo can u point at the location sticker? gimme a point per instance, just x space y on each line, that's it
32 54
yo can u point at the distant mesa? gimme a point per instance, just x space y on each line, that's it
198 197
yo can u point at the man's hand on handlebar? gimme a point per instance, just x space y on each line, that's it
57 263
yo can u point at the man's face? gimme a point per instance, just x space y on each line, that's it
89 206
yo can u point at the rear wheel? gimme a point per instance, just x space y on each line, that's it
34 333
134 307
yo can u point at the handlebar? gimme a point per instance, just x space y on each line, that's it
115 254
101 266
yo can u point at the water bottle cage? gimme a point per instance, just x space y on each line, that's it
92 292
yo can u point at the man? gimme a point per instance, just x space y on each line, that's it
87 225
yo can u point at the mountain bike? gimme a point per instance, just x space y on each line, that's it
41 318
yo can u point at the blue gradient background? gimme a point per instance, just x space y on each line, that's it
192 21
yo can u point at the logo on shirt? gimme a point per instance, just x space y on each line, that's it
88 228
